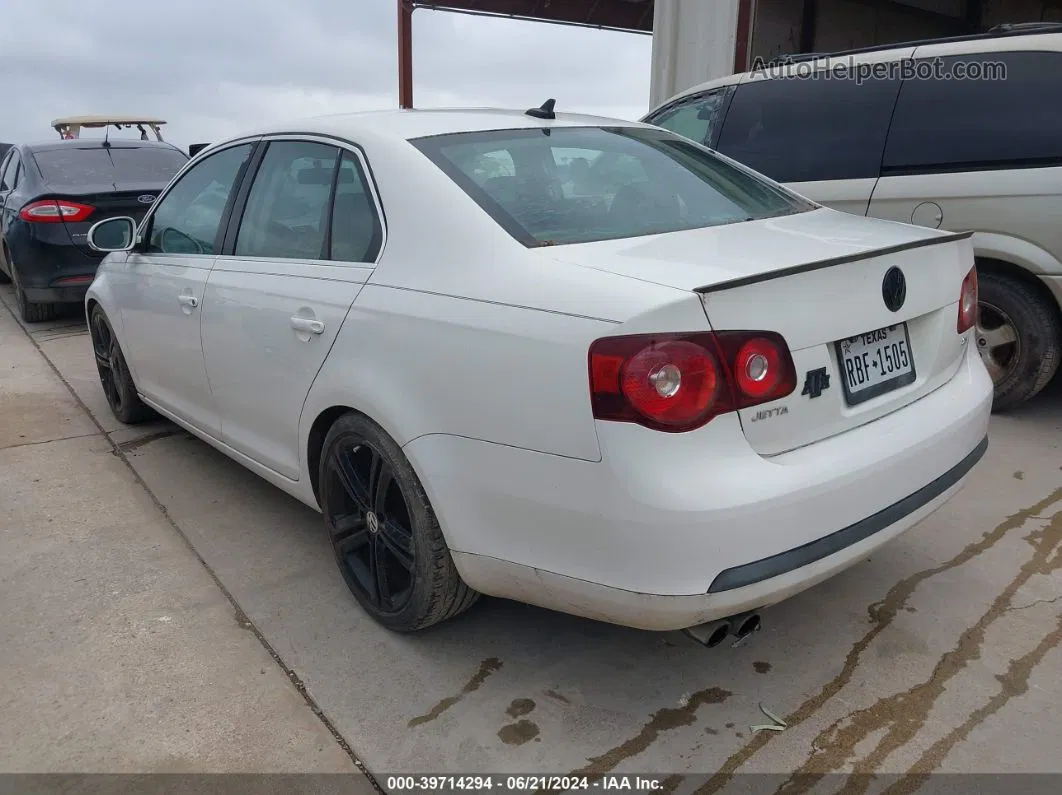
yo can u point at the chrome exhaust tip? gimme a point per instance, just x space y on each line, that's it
747 624
711 634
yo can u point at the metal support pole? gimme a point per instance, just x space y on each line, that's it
405 54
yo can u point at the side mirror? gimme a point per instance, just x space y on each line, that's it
195 149
112 234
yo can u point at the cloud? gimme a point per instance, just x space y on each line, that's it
212 68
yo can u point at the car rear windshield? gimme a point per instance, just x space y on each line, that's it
88 166
581 184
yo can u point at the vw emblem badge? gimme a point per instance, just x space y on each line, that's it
373 522
894 289
146 198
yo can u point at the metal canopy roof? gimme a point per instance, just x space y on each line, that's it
632 16
628 16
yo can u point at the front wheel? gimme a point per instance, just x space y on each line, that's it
1019 337
386 539
115 379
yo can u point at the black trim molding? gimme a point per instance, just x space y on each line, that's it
783 562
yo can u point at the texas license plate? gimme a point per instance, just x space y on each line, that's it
875 363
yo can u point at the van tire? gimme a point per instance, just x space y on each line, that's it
1035 356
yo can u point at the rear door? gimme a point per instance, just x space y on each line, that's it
980 153
306 240
821 135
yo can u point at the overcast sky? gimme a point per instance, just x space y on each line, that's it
213 68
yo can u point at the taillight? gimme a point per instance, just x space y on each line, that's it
51 211
678 382
968 302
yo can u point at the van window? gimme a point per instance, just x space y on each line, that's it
806 129
1007 117
697 118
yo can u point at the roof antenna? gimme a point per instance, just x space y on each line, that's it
107 137
544 112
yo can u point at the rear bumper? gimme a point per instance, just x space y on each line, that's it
46 260
57 295
672 530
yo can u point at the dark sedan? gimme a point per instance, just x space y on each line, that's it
52 193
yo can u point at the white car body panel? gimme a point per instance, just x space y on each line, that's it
260 320
160 331
470 350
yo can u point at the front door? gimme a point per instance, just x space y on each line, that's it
161 288
306 243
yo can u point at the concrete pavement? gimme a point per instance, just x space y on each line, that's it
938 653
118 650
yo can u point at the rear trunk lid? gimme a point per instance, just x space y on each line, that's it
819 280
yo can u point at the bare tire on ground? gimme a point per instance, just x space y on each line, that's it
1019 337
115 379
384 533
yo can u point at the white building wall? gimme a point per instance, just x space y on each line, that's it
693 41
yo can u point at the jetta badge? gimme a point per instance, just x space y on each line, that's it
816 382
894 289
146 198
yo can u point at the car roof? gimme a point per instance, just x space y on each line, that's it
409 124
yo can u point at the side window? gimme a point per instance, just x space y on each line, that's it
288 207
356 229
979 111
697 118
188 218
10 171
805 129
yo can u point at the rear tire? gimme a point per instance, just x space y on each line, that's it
115 379
1019 337
384 533
29 311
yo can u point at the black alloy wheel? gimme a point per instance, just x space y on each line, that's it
384 534
371 528
115 379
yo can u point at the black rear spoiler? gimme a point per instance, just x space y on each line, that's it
829 263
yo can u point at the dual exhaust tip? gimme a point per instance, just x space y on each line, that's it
715 632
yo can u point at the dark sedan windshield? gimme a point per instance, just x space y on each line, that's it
580 184
73 165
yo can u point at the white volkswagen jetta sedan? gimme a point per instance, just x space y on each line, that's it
577 362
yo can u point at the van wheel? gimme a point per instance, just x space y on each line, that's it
1019 337
386 539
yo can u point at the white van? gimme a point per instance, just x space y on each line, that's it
958 134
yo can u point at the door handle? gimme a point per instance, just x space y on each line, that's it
307 325
188 300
